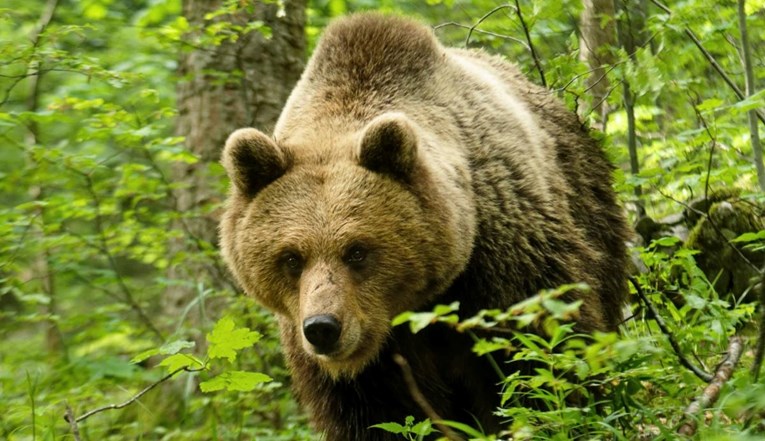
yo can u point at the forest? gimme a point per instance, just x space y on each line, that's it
120 321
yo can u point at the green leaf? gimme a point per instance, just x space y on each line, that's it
710 104
750 237
423 428
144 355
473 433
751 102
666 241
695 302
419 320
225 339
401 318
176 346
240 381
483 347
179 361
391 427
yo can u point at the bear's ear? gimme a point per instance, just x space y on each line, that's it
389 145
252 160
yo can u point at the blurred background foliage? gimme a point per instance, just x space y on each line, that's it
93 223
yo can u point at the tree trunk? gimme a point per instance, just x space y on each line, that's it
754 131
41 268
239 83
598 37
631 33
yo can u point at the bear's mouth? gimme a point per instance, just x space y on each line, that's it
348 361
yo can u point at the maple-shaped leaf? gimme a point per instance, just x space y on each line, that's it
178 361
226 339
241 381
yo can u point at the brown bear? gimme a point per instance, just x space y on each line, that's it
400 175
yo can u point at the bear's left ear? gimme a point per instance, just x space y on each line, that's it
253 160
389 145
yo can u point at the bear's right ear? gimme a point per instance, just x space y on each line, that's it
252 160
389 145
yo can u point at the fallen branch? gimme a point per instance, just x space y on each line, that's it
706 377
712 391
69 417
420 399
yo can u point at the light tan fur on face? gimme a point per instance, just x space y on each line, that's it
329 208
327 288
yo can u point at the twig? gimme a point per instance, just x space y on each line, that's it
480 20
72 422
133 399
706 377
711 60
712 391
607 94
534 55
481 31
712 138
420 399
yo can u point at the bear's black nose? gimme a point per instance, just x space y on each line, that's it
322 331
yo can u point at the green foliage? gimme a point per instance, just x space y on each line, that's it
225 340
89 228
409 430
565 385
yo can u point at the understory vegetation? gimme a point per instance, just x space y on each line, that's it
94 223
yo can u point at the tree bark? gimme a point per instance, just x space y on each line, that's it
41 268
598 36
631 33
239 83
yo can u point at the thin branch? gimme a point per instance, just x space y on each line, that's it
534 55
712 391
606 71
72 422
481 31
706 377
420 399
70 418
607 95
480 20
712 138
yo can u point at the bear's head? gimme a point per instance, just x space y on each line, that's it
339 245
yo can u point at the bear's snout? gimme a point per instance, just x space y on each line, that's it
323 332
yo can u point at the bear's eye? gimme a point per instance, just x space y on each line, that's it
292 262
356 255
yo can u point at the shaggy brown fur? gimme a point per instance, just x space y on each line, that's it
400 175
